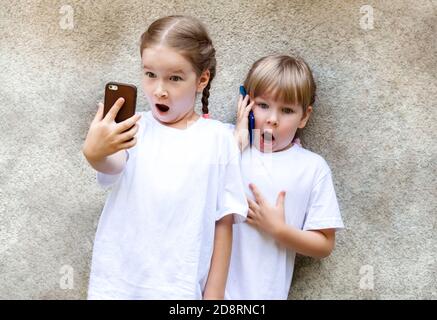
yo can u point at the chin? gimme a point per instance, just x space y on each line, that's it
287 146
161 117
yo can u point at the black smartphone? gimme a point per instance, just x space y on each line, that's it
251 122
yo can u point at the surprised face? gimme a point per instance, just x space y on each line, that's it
170 84
276 123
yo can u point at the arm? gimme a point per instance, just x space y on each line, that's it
112 164
271 220
218 272
313 243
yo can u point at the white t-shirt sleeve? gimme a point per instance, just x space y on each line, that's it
232 199
108 180
323 211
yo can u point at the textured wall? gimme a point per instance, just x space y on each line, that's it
374 122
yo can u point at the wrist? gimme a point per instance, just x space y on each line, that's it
91 156
278 229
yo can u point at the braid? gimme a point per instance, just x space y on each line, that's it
205 93
205 96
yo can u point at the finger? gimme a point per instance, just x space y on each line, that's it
251 213
128 123
252 204
112 113
250 220
240 106
99 114
129 144
280 199
258 196
248 108
245 101
124 137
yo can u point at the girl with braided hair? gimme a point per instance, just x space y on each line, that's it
166 227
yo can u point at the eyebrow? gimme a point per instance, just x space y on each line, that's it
175 71
283 105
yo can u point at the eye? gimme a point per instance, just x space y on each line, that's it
150 74
287 110
263 105
175 78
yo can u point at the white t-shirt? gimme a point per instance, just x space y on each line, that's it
260 267
156 233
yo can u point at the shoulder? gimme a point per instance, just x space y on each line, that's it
217 124
218 128
312 161
221 135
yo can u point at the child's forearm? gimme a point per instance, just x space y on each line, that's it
238 139
241 137
218 272
112 164
311 243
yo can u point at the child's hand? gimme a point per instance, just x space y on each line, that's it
264 216
106 137
241 132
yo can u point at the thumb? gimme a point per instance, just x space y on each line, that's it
99 114
280 199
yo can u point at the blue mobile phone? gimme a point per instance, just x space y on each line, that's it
251 124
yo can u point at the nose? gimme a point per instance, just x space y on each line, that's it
273 119
160 92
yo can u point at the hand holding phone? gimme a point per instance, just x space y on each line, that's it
115 124
251 118
245 121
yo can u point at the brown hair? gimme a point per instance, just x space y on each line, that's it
288 79
190 38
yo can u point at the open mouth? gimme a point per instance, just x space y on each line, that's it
162 107
268 137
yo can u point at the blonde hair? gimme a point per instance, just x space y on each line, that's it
190 38
285 78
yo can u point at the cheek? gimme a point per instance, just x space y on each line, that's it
185 94
147 88
289 129
183 98
259 118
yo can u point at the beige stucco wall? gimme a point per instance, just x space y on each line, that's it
374 122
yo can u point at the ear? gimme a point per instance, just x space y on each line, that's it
203 80
305 117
